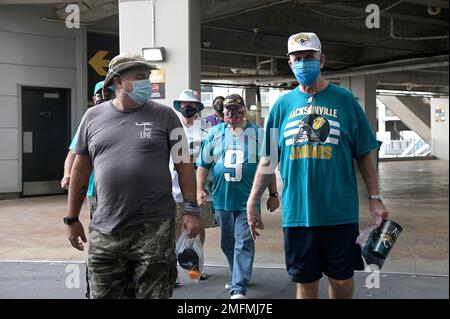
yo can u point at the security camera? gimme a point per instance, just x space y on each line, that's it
433 11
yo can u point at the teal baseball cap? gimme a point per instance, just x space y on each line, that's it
99 86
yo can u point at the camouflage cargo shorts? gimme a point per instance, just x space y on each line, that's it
141 256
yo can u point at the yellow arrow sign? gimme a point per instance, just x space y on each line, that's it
98 63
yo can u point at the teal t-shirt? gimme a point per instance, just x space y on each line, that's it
233 161
91 187
318 137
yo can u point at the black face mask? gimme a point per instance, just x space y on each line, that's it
188 112
100 101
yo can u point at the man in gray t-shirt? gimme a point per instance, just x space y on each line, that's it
129 150
128 142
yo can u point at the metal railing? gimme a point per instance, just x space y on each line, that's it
405 148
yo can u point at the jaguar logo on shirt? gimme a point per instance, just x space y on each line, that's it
313 128
146 132
313 136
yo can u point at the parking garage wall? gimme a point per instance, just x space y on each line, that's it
32 53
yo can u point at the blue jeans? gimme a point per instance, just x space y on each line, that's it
238 246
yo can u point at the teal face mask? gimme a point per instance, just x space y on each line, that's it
142 90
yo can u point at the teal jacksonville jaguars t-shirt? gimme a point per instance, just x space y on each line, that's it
233 160
317 137
91 187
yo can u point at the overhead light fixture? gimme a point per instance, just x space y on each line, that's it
154 54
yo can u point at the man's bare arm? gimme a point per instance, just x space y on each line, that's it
68 163
366 165
273 184
263 177
261 181
369 173
81 170
202 174
273 202
186 178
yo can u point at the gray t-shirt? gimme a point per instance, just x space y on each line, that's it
130 153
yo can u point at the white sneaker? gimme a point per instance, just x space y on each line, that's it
228 285
238 296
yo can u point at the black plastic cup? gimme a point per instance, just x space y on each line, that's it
388 233
188 259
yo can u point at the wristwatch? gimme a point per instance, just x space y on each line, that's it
273 194
70 220
377 197
190 207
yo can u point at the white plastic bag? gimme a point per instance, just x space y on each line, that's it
364 236
189 253
366 239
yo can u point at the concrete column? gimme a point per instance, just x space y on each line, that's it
381 134
80 95
172 24
345 82
439 128
251 99
364 89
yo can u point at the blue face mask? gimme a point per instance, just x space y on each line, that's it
306 72
142 90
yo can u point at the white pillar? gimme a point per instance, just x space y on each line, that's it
250 96
439 128
250 99
172 24
80 98
364 90
381 134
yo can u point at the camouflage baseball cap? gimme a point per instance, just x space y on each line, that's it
124 62
233 101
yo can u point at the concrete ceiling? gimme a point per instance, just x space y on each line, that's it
239 33
244 41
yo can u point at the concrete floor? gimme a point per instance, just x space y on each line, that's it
416 194
49 280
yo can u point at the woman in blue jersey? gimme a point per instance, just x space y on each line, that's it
230 151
